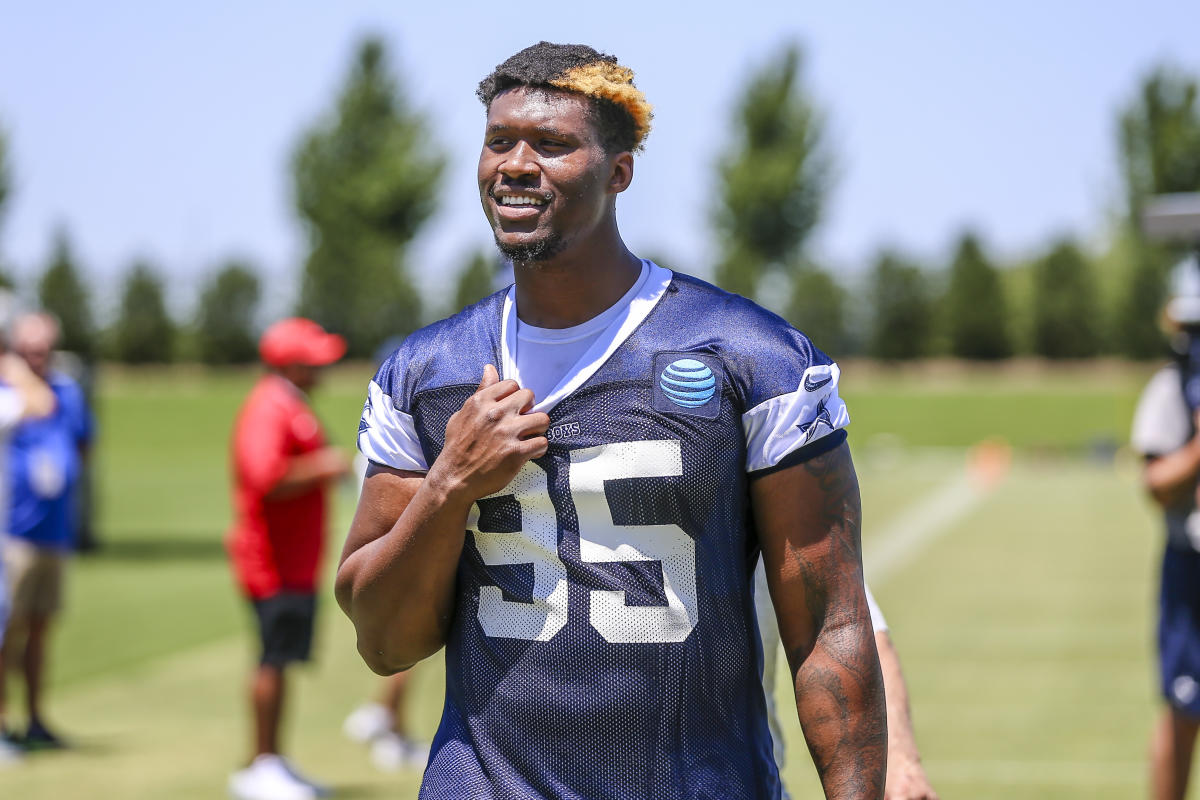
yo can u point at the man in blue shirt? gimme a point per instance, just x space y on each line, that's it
45 460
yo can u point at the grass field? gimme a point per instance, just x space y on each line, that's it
1024 622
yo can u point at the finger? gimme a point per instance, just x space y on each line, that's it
536 423
490 377
535 447
516 400
498 391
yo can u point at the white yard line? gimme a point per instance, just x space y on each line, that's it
902 539
1040 773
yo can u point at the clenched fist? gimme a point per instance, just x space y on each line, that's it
489 439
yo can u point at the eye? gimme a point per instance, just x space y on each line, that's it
553 146
498 143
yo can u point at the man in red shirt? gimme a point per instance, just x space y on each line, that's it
282 467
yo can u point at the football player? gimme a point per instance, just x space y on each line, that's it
573 479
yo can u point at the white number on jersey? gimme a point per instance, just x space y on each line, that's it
537 544
600 541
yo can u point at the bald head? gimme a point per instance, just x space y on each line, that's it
33 338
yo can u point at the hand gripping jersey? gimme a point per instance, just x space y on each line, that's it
604 644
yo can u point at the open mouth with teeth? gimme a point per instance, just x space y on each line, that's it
511 200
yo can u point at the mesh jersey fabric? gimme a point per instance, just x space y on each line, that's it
604 643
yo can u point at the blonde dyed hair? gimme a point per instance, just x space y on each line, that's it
620 111
606 80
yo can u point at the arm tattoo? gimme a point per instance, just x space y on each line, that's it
839 686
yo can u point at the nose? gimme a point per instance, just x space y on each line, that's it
519 162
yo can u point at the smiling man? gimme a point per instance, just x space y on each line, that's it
573 480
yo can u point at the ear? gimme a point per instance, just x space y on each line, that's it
621 172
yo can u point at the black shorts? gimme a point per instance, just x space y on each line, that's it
285 626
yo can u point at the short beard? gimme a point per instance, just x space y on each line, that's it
543 249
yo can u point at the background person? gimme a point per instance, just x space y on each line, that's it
383 726
1165 432
282 468
45 458
23 395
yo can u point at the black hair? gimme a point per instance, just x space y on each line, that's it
619 110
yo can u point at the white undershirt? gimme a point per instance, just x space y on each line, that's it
546 355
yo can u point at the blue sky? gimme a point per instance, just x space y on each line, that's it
154 131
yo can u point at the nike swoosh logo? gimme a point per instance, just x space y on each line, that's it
811 386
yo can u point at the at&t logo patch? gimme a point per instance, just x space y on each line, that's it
688 383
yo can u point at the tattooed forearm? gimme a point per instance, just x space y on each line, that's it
825 622
839 699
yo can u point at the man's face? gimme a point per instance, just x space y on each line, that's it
34 342
544 177
304 376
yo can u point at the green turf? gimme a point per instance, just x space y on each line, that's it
1025 629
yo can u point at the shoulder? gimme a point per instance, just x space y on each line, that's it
265 398
64 385
764 353
451 350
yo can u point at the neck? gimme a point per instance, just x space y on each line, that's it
575 285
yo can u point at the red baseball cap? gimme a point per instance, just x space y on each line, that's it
296 340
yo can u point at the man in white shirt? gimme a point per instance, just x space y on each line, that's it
1165 433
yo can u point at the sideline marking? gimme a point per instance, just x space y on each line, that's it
1041 773
924 521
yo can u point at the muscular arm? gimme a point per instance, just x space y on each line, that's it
397 574
402 553
807 518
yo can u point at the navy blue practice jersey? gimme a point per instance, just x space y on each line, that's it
604 644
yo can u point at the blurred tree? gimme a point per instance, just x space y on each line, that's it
225 318
817 306
975 307
772 178
365 180
900 298
476 280
1159 139
143 332
1137 334
1065 311
61 291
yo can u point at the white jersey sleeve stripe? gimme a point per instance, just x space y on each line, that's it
388 436
779 426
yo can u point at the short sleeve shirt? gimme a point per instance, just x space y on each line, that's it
1161 425
275 545
604 597
44 467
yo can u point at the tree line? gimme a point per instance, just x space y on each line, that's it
1064 302
364 182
